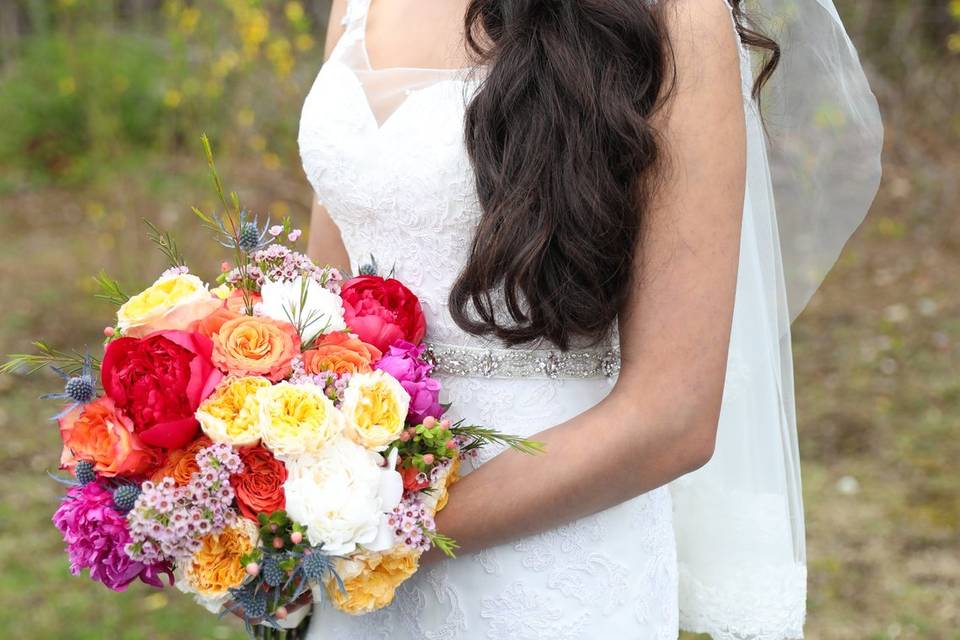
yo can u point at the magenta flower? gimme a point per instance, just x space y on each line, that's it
96 534
403 361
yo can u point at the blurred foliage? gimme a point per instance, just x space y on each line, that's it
87 81
101 107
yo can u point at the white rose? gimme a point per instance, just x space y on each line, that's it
342 495
304 303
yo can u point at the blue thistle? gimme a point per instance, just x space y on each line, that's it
272 574
250 234
125 496
79 389
84 472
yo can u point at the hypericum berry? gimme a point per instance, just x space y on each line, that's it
253 569
278 543
296 537
273 575
125 496
80 389
84 472
249 237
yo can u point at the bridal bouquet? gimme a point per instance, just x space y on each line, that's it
274 438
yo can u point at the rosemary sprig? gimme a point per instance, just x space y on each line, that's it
110 290
445 544
166 244
69 361
482 436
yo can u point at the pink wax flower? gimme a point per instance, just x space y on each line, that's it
96 534
403 361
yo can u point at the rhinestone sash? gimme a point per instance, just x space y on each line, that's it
478 362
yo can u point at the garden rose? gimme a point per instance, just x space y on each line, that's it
342 495
210 324
404 362
259 487
382 311
181 464
340 353
170 303
99 433
159 381
231 414
216 567
296 418
256 346
375 406
370 580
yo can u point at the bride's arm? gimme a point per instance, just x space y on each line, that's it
325 244
660 420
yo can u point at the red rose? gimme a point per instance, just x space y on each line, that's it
159 381
382 311
259 487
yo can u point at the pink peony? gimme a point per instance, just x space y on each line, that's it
403 361
96 534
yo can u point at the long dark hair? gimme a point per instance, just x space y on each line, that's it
565 157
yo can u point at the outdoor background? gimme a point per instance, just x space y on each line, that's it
101 107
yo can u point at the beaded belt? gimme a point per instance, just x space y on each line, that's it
478 362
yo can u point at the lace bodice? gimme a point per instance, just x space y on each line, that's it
384 152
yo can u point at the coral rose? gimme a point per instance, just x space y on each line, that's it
382 311
259 487
340 353
181 464
371 580
171 303
210 324
99 433
249 346
159 381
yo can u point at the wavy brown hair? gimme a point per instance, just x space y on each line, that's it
566 158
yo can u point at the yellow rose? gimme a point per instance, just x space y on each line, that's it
215 567
450 478
231 414
172 302
296 419
223 291
375 405
371 580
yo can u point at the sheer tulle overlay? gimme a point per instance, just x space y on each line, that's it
719 551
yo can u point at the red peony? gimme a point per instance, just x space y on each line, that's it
382 311
159 381
259 487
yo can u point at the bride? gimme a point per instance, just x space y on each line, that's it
582 193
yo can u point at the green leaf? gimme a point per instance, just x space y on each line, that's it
110 290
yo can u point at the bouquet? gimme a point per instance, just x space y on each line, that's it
270 440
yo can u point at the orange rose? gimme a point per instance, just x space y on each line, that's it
182 463
256 346
340 353
235 302
211 324
98 432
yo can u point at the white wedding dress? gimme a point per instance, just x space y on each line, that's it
384 152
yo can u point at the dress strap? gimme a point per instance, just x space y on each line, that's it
356 14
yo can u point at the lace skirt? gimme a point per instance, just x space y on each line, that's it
610 575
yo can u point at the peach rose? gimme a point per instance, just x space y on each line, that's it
256 346
98 432
181 463
211 324
340 353
171 303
